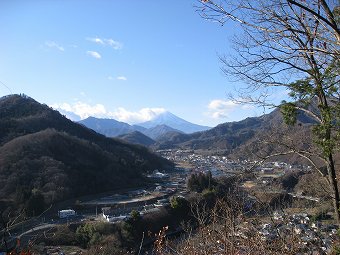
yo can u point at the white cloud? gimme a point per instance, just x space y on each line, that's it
222 108
84 110
94 54
64 106
122 78
96 40
114 44
106 42
144 114
52 44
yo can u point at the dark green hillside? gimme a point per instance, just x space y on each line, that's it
241 139
107 127
63 166
158 131
137 137
44 152
223 137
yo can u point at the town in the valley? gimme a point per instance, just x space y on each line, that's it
116 206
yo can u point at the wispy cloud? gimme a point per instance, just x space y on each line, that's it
122 78
220 109
114 44
84 110
106 42
144 114
94 54
96 40
52 44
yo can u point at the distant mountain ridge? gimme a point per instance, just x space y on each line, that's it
222 137
159 131
239 139
107 127
171 120
137 137
156 128
242 139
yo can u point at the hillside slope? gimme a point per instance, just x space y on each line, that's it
107 127
243 139
158 131
41 150
137 138
222 137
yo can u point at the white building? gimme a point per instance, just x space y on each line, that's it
66 213
109 217
158 175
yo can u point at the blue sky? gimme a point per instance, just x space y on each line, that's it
123 59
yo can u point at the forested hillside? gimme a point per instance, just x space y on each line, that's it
44 155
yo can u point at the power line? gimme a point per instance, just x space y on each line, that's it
6 87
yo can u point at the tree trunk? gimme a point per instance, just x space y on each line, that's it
334 186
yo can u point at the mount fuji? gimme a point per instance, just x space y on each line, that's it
155 128
171 120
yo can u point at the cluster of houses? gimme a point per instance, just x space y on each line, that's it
309 234
300 226
222 165
197 159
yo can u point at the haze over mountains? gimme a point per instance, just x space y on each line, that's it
109 127
155 128
171 120
240 139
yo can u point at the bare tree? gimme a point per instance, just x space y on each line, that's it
293 44
231 232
